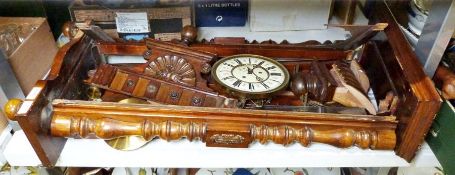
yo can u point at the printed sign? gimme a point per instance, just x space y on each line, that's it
132 22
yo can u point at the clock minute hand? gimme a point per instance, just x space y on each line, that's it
258 65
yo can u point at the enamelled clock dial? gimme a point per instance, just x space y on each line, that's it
250 76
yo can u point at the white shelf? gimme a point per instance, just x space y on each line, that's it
160 153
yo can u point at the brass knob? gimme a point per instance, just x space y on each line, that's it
189 34
11 107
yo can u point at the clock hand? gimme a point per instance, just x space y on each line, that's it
258 65
257 77
250 71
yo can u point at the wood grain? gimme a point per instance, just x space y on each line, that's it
123 81
419 99
111 120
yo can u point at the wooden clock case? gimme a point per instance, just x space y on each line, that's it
56 107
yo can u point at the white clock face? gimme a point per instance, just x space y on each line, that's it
251 74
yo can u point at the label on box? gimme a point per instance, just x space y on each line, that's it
217 13
167 36
132 23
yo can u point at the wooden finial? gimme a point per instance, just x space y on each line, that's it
189 34
11 107
310 86
69 29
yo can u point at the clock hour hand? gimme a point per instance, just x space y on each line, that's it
250 71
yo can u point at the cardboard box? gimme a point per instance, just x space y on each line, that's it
270 15
165 22
33 58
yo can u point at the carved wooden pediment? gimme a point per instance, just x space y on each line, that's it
177 63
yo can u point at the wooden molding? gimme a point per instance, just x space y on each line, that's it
123 81
110 120
109 128
342 137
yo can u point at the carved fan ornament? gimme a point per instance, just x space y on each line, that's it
172 68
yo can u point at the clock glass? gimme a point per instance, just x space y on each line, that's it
250 74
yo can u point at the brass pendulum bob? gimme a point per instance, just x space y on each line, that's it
94 93
128 143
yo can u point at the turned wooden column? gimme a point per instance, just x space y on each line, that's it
109 128
342 137
217 127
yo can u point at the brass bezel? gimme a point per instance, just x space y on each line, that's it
246 94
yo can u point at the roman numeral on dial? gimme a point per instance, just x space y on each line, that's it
226 78
275 74
228 64
251 86
237 83
270 68
238 61
266 86
259 64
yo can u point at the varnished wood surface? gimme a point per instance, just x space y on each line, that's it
34 115
294 58
58 60
419 99
118 80
110 120
317 84
169 55
222 50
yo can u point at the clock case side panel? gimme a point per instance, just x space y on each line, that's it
419 100
64 81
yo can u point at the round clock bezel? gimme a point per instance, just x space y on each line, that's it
249 94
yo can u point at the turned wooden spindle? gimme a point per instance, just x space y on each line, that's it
82 119
343 137
189 34
108 128
447 79
311 85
